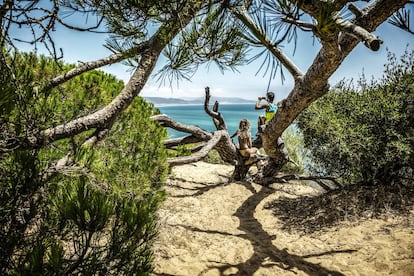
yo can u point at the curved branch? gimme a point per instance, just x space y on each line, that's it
88 66
190 139
108 113
197 132
215 115
103 117
94 29
201 153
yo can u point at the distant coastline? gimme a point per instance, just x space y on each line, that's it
159 101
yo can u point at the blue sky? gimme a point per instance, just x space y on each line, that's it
245 83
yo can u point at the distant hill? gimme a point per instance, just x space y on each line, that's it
199 100
158 100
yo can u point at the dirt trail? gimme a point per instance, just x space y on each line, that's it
212 227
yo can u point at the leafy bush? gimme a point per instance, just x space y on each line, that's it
97 214
365 135
213 157
294 144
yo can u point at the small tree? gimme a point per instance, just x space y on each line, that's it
366 134
93 209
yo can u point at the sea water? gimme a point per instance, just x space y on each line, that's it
196 116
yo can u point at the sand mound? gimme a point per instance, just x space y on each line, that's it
212 227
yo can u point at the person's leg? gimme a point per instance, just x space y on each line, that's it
261 123
245 153
258 143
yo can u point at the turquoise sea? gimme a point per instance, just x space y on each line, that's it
195 115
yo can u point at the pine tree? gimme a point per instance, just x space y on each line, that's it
96 214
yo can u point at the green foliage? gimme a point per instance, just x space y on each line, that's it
18 182
326 24
214 157
97 215
294 144
133 147
365 136
214 36
107 232
180 150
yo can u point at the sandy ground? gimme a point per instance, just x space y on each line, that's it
212 227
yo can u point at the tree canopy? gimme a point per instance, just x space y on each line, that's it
77 206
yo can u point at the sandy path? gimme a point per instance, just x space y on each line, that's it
211 227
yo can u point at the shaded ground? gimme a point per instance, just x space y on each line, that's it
212 227
352 204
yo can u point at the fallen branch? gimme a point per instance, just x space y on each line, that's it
199 154
197 132
174 142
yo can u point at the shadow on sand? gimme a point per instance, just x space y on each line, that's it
265 254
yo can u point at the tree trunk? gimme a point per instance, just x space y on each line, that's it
314 84
240 172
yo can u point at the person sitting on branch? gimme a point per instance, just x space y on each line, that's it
245 139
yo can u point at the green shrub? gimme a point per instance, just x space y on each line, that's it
294 144
97 215
366 135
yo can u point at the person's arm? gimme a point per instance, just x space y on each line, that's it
260 106
249 142
233 135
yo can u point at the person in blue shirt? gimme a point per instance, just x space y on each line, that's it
270 110
269 105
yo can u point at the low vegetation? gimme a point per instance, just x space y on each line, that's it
364 136
88 212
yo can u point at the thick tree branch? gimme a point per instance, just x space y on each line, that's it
174 142
313 7
314 83
201 153
370 40
355 10
243 16
107 114
371 17
88 66
197 132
